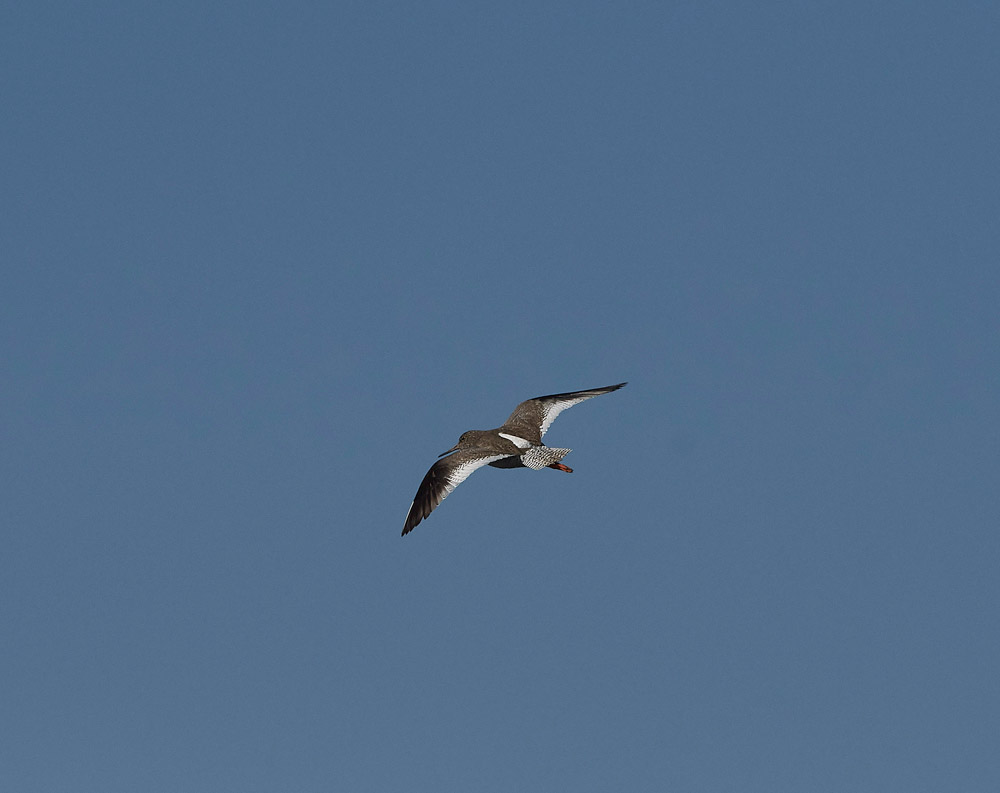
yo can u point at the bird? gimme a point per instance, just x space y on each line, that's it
517 443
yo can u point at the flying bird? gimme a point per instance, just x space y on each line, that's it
515 444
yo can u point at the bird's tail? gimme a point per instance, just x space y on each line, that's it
541 456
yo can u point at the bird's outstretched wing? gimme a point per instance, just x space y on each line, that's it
533 417
443 477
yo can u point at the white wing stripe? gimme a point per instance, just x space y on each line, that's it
460 473
553 409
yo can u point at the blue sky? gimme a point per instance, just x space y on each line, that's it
265 261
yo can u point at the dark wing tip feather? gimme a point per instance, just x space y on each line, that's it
588 391
430 493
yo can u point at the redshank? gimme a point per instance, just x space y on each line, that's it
515 444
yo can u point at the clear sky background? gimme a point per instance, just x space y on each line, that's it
263 261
